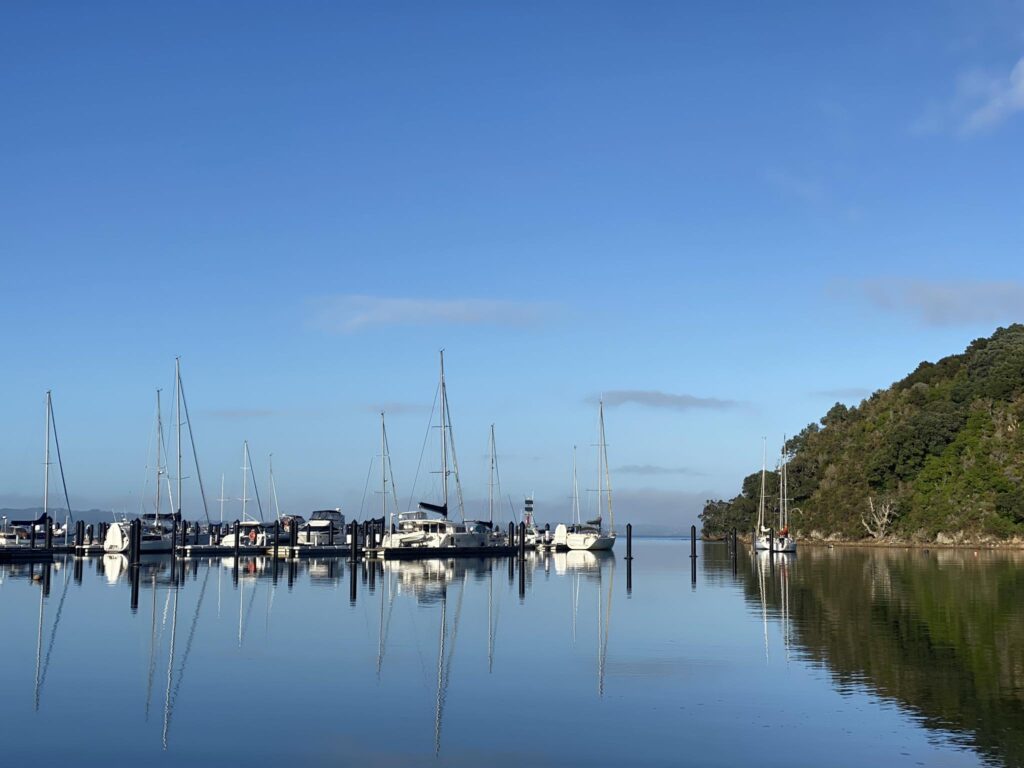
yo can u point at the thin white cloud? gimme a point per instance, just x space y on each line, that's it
1003 97
237 414
943 303
654 469
842 393
397 409
981 101
351 313
651 398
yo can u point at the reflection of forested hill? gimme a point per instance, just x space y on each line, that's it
941 633
944 446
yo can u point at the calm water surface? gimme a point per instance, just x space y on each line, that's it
836 657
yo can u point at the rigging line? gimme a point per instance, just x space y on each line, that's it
391 471
455 459
60 464
53 635
255 488
248 611
152 652
170 664
423 450
366 485
195 456
512 507
184 656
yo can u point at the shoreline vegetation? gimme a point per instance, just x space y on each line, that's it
944 542
935 460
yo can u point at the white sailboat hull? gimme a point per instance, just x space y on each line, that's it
590 542
782 544
118 540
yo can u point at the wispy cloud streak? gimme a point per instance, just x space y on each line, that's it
353 312
842 393
943 303
654 470
652 398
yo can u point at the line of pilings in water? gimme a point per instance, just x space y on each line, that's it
360 536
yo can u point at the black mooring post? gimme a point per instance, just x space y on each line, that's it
629 541
693 554
522 579
135 589
512 534
197 533
277 541
89 534
32 536
330 533
49 532
238 540
78 534
353 551
629 576
295 535
522 541
771 541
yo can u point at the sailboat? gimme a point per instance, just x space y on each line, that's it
590 535
783 542
761 534
428 527
32 533
251 532
157 526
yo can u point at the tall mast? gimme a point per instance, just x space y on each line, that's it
273 486
575 490
245 473
444 438
782 486
383 470
177 421
222 499
159 454
607 471
490 484
46 466
764 467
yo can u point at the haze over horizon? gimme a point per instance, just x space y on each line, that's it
720 227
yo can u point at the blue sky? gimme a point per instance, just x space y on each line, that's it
724 217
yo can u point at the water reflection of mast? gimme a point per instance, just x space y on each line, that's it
173 695
152 650
41 673
764 604
444 663
602 652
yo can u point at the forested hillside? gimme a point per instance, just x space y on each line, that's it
938 455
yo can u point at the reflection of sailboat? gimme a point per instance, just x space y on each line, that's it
444 660
171 695
43 662
590 566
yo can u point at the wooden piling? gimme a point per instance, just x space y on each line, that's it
629 541
238 541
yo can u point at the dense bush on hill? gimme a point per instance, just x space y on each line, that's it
943 448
